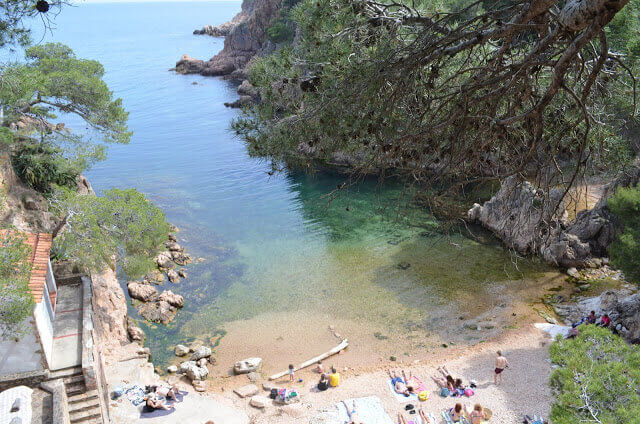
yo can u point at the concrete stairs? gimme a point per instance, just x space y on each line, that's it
84 405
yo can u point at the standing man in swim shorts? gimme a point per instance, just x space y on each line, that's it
501 364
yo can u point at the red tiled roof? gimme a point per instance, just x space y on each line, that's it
40 244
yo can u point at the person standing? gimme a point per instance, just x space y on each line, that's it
500 364
291 372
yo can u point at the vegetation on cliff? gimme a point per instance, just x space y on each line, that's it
464 92
597 378
15 299
625 250
120 224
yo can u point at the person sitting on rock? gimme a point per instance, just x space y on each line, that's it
605 321
591 318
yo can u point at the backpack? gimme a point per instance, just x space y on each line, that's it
273 394
444 392
469 392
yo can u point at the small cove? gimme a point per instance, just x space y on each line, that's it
281 262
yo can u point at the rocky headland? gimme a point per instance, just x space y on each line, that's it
245 36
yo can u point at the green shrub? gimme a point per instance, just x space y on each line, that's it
625 250
280 32
597 379
42 166
16 301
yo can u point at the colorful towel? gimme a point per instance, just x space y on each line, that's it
369 410
400 397
135 394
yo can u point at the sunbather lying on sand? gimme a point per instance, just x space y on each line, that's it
399 383
425 419
445 383
352 413
153 403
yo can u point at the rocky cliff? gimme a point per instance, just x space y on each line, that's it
532 222
246 36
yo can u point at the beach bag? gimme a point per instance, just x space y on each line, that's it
444 392
273 394
469 392
424 395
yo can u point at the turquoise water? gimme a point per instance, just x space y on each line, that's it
270 243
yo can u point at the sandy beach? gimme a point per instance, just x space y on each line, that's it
525 388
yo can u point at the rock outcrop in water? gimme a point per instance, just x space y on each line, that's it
532 222
246 36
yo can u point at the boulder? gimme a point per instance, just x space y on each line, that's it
142 291
173 276
31 203
200 353
248 390
259 402
199 385
172 237
181 350
155 275
247 365
573 272
246 89
202 362
136 334
172 368
240 102
173 246
171 298
163 260
197 373
158 311
253 377
184 366
269 385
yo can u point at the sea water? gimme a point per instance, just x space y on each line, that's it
284 256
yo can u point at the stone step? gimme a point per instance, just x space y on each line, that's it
91 394
74 379
75 388
84 416
65 372
84 405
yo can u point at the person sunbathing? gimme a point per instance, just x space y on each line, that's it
477 416
152 403
425 418
168 392
456 413
352 413
399 383
445 383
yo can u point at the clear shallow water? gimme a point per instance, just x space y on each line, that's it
270 243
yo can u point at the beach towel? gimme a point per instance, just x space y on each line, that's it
402 398
553 329
135 394
449 420
369 409
154 413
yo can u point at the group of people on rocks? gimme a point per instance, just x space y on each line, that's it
153 399
592 318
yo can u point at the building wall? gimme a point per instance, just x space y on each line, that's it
44 324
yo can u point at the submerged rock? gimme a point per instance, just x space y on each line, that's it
142 291
158 311
173 276
181 350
